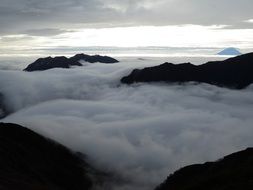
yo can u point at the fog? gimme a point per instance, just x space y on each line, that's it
141 132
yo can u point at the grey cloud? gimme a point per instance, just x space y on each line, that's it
23 15
8 39
144 131
45 32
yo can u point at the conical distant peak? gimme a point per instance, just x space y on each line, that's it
230 51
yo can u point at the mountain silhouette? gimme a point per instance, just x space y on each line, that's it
233 172
93 58
42 64
234 72
50 63
30 161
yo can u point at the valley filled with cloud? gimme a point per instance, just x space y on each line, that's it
141 132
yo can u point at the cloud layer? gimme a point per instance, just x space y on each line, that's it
142 132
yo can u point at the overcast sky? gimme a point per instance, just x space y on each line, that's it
36 21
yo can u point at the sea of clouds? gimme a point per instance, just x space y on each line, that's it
141 132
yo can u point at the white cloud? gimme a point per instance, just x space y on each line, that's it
144 131
249 21
168 36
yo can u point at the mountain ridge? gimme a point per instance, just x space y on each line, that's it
30 161
232 172
236 73
47 63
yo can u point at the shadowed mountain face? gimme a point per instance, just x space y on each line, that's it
235 72
63 62
29 161
233 172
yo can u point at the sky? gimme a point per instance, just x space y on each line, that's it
49 24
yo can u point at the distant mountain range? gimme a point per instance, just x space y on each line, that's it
236 72
64 62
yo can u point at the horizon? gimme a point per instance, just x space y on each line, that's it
141 52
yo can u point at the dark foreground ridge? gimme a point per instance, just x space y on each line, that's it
3 111
235 72
64 62
233 172
31 162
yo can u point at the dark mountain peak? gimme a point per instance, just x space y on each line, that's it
187 64
166 64
64 62
93 58
78 57
234 72
240 59
81 55
172 64
30 161
231 172
245 58
49 58
50 63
